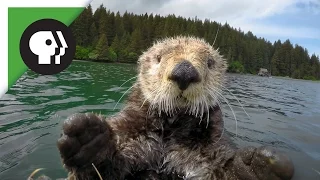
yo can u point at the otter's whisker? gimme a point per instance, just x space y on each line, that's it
226 100
169 102
168 105
234 115
148 112
316 171
236 99
97 171
122 96
201 109
127 81
163 102
146 98
158 104
196 108
201 115
208 115
202 103
33 173
143 103
216 36
219 104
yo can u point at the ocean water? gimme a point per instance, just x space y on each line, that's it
283 113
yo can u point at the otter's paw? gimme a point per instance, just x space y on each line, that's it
86 139
262 163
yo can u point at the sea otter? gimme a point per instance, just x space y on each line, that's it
171 126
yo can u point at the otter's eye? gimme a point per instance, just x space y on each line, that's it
210 63
158 58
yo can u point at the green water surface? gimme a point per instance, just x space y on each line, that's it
33 110
283 113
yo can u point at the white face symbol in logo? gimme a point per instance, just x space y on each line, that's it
44 45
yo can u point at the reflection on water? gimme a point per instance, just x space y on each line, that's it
283 113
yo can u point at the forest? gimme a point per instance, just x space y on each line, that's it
108 36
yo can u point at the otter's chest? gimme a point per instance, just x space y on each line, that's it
166 146
183 130
172 144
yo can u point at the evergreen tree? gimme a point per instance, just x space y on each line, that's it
93 35
119 27
80 27
116 46
136 41
124 41
130 34
110 26
97 15
101 22
102 47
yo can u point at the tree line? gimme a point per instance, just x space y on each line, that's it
108 36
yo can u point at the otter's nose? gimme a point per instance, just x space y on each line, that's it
184 74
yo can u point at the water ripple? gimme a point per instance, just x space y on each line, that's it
283 113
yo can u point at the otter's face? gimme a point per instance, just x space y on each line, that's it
181 73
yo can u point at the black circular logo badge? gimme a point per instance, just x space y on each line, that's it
47 46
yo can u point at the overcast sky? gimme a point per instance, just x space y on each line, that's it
297 20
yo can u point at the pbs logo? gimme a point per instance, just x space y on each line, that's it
45 51
47 46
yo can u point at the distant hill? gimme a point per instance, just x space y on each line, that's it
110 36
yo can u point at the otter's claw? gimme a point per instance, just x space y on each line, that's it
262 163
83 138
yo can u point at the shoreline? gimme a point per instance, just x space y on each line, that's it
277 77
103 61
112 62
